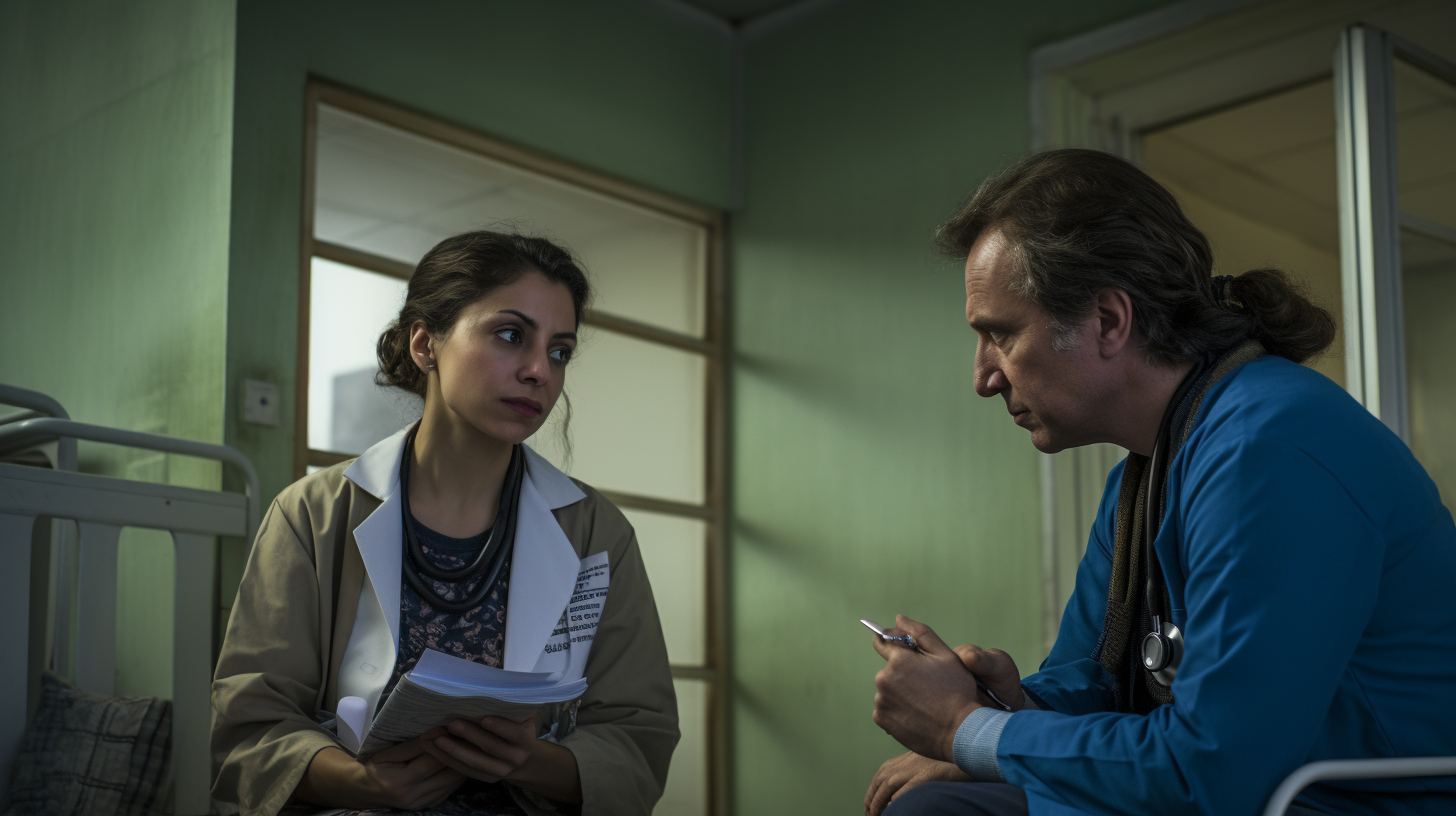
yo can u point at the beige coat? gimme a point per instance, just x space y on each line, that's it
296 610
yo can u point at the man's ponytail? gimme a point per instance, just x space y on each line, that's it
1281 315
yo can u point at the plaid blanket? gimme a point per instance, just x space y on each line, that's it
91 754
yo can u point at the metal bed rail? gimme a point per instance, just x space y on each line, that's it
101 506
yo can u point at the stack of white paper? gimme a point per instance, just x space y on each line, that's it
440 672
441 688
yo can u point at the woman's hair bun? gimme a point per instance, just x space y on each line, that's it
459 271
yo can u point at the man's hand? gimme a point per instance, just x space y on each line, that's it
923 695
997 670
903 773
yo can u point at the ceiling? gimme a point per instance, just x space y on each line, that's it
1273 159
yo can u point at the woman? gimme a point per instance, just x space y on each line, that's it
450 535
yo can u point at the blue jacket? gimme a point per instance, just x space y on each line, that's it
1312 569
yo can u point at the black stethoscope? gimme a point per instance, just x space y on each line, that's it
1162 648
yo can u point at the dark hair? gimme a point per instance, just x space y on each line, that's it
1080 221
458 272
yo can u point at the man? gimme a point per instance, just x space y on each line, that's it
1274 554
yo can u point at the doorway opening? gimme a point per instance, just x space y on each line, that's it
1232 104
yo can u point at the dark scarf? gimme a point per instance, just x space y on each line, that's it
1128 619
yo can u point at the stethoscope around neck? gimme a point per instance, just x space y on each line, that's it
1162 648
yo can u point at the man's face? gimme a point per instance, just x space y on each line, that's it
1053 394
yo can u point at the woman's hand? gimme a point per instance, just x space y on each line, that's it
903 773
402 776
498 749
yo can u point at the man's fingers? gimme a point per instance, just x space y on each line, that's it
1002 662
888 782
883 647
872 796
996 669
969 655
882 797
925 637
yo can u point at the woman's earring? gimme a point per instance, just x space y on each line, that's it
431 364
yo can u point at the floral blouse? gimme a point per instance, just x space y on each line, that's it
477 634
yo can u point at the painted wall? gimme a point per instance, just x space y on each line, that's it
869 478
616 86
114 167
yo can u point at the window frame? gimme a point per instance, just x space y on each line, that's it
712 346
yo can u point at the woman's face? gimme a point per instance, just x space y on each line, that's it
503 364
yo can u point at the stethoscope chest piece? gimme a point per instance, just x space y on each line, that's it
1163 651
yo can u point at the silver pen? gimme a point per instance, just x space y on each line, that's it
909 642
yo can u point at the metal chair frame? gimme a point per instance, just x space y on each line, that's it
1390 768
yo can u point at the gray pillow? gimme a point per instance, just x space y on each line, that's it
91 754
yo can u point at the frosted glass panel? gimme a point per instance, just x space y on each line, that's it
1429 285
687 779
674 549
396 194
1425 132
637 420
348 308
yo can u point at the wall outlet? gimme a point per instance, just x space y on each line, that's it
260 402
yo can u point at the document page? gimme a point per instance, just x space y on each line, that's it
412 710
441 688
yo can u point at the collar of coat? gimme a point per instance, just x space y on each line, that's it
544 562
376 472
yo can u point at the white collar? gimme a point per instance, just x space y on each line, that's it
376 472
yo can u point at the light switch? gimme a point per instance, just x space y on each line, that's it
260 402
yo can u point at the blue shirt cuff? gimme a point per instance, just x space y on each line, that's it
976 741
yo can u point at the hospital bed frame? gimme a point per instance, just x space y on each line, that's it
33 499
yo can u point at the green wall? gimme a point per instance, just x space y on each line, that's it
152 163
616 86
114 167
869 478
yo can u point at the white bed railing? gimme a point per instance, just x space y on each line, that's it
101 506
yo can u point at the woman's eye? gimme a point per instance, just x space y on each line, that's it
509 335
561 355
